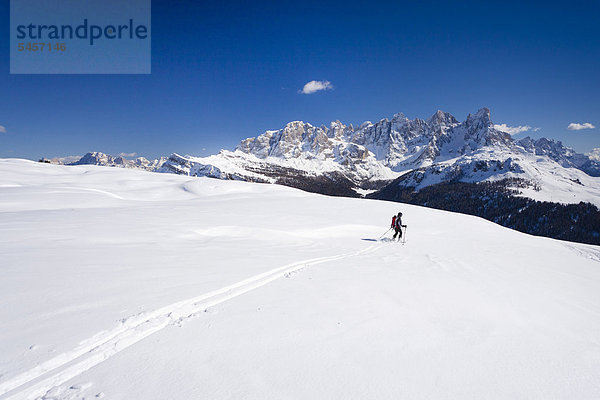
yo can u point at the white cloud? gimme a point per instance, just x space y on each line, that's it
594 154
574 126
315 86
127 154
513 130
2 129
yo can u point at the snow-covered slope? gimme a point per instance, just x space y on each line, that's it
125 284
426 152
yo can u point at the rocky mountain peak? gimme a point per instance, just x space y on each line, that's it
399 117
481 118
95 158
442 118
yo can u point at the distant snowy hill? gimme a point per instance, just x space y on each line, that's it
66 160
98 158
123 284
356 160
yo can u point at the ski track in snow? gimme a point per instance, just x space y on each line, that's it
589 253
100 347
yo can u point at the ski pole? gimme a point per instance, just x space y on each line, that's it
385 233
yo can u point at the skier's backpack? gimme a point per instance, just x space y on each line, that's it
393 221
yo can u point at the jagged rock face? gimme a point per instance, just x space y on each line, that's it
399 143
551 148
296 140
95 158
441 120
395 141
481 131
177 164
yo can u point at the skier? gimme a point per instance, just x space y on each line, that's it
397 225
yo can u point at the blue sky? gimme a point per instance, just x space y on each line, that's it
224 71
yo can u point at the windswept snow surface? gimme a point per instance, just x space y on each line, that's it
126 284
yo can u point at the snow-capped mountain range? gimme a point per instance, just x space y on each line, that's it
421 152
348 160
98 158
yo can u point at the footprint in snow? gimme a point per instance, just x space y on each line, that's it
67 392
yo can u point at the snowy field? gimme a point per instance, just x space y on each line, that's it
123 284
